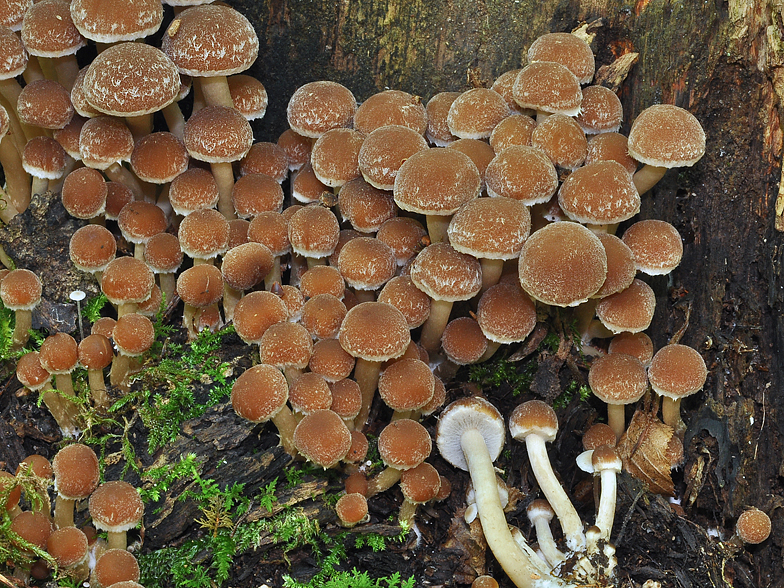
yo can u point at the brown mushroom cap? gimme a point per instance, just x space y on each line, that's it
150 81
628 310
116 565
84 193
533 418
601 110
656 245
676 371
95 352
407 384
513 130
463 341
217 134
599 193
523 173
504 84
15 495
92 247
374 331
620 265
753 526
610 146
162 253
404 235
68 546
664 135
323 316
437 109
32 527
48 31
569 50
13 13
351 509
30 373
313 231
322 279
12 51
20 289
259 393
420 484
506 314
192 190
305 186
125 20
127 280
476 112
490 228
385 151
436 181
323 438
248 95
204 234
254 314
309 392
45 104
76 471
139 221
297 148
246 265
617 378
445 274
335 156
104 326
158 158
548 87
286 344
267 158
479 151
133 334
401 293
317 107
562 139
598 435
637 344
211 40
115 507
331 361
44 158
59 353
117 196
346 395
200 286
104 141
391 107
404 444
255 193
562 264
366 263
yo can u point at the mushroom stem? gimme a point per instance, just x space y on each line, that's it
168 284
216 91
567 515
231 297
492 347
116 540
647 177
616 418
606 514
671 412
24 322
63 512
366 375
224 177
382 481
435 324
121 365
17 179
491 272
175 120
496 530
117 173
274 274
437 228
57 408
285 422
67 70
98 388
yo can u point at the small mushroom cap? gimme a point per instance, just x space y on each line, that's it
629 310
331 361
484 581
127 280
20 289
30 373
359 447
217 134
506 314
753 526
200 286
391 107
443 273
204 234
366 263
365 207
346 397
637 344
12 50
162 254
605 457
48 31
436 181
192 190
259 393
601 110
490 228
610 146
297 148
465 414
248 95
84 192
404 235
115 507
6 480
323 438
139 221
256 312
125 20
246 265
41 466
404 444
76 471
351 509
562 264
504 84
68 546
523 173
620 266
211 40
323 315
598 435
150 81
45 104
540 508
420 484
562 139
664 135
255 193
617 378
158 158
549 87
265 157
116 565
59 353
322 279
317 107
133 334
313 231
309 392
656 245
44 158
533 418
374 331
104 141
384 152
33 527
463 341
677 370
95 352
476 112
599 193
401 293
567 49
437 109
335 156
512 131
407 384
286 344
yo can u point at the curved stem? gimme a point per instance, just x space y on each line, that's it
435 324
606 514
647 177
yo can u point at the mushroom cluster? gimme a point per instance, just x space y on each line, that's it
369 244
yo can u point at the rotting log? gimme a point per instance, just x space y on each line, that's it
723 61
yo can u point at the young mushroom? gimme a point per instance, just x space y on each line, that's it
76 475
116 507
20 291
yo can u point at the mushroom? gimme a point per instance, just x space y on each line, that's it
753 526
115 565
403 444
476 112
127 281
20 291
116 507
68 546
676 371
418 485
133 335
617 380
540 513
323 438
607 464
319 106
95 354
352 509
200 287
470 436
391 107
512 131
34 377
535 423
76 476
13 496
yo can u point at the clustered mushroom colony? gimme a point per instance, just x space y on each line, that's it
400 216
